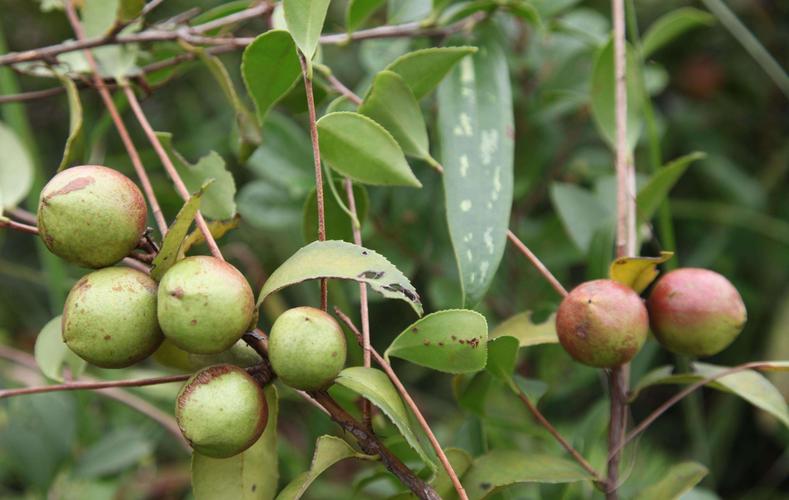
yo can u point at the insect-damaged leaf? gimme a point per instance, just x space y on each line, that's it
343 260
476 129
451 341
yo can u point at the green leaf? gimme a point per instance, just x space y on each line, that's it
659 185
750 385
422 70
405 11
223 10
581 213
128 10
265 205
328 451
460 460
679 479
119 450
502 356
451 341
304 19
501 468
637 272
219 199
251 475
358 11
603 95
522 327
476 129
363 150
248 127
672 25
392 104
171 246
342 260
270 67
52 354
16 169
338 223
375 385
74 143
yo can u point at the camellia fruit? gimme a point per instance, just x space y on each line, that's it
602 323
696 312
221 411
91 215
205 305
109 318
306 347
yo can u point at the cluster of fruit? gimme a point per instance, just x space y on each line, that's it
115 317
695 312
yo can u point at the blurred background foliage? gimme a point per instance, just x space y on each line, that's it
729 212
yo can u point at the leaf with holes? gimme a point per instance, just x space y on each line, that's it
53 355
304 19
219 199
72 152
637 272
171 246
655 191
750 385
360 148
500 468
343 260
451 341
422 70
16 169
375 385
522 327
679 479
476 129
251 475
392 104
270 68
328 451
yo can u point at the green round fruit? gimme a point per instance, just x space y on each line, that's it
221 411
109 318
92 216
205 305
602 323
306 348
696 312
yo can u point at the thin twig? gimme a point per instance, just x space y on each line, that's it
555 433
316 155
192 35
116 118
618 378
660 410
81 386
367 440
170 169
537 263
364 312
411 404
18 226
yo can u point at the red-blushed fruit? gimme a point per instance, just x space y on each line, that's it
602 323
696 312
91 215
221 410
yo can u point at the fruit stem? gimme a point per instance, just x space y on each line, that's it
316 154
101 87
